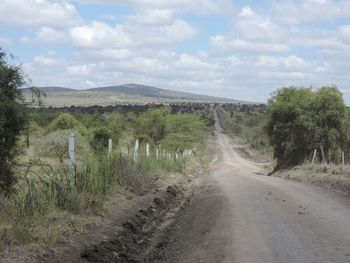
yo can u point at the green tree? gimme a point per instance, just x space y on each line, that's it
150 126
301 120
13 119
329 113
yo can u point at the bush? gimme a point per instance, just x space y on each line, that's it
13 119
66 121
99 139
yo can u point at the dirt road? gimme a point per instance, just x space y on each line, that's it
243 216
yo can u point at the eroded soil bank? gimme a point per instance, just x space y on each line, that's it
138 235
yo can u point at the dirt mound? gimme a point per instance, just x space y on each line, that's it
133 242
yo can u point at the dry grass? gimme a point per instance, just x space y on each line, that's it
330 177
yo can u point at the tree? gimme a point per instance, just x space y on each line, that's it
150 126
329 112
13 119
301 120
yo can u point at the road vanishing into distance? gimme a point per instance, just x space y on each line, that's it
243 216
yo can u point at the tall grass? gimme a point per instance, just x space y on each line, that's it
50 189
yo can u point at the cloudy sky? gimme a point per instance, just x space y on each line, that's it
228 48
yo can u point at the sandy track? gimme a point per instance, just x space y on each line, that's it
243 216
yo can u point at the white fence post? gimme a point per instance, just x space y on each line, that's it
110 146
343 160
157 153
147 149
136 150
314 157
72 163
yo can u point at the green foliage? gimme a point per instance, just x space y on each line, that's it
150 126
184 131
66 121
250 127
301 120
43 118
13 119
117 125
99 139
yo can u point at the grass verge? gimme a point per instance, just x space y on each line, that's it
330 177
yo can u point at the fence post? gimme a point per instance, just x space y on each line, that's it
136 150
157 153
314 157
110 146
147 149
72 163
323 156
343 160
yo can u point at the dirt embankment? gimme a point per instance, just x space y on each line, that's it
328 177
139 234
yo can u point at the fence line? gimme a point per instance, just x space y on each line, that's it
159 154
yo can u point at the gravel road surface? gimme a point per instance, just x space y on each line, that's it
243 216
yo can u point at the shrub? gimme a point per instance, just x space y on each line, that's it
99 139
13 119
66 121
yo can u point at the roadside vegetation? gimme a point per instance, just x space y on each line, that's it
306 130
246 123
43 198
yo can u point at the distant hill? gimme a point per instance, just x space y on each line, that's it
134 90
52 89
128 93
148 91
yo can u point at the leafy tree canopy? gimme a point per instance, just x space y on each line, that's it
13 118
301 120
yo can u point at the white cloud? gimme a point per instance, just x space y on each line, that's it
105 54
248 46
99 35
80 70
193 63
311 11
55 13
196 6
344 32
46 35
152 17
246 11
48 59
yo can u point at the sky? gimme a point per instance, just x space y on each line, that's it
228 48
